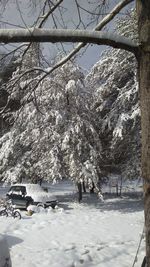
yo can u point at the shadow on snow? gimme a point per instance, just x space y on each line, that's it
127 203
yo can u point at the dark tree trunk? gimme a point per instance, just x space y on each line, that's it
92 188
84 188
79 185
143 12
144 262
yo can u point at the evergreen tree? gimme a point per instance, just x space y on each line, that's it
116 107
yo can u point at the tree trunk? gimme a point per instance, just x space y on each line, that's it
92 188
145 117
79 185
143 11
144 262
84 188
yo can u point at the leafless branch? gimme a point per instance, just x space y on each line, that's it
21 16
11 24
79 15
13 51
45 16
105 21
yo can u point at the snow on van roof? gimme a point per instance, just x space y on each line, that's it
31 187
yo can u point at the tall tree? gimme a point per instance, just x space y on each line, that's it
115 105
143 12
54 136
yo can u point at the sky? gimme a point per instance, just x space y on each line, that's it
24 14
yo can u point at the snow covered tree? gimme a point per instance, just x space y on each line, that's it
116 108
54 136
8 66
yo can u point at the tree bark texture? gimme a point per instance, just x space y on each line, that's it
143 11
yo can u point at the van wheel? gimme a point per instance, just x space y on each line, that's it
41 205
53 206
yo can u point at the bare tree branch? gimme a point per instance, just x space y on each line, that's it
130 47
11 24
79 16
99 27
45 16
13 51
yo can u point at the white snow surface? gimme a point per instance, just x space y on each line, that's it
90 234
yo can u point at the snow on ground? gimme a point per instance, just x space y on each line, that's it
90 234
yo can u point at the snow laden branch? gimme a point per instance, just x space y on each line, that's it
61 35
80 45
98 27
112 14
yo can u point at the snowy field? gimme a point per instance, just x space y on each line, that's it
90 234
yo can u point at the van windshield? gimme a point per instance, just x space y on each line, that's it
17 190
